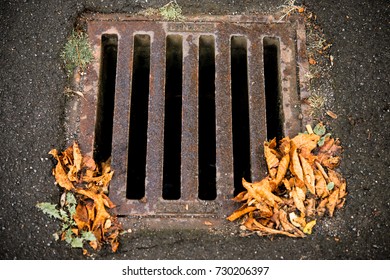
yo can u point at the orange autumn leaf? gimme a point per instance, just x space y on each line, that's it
271 158
311 207
287 226
321 189
295 164
60 174
308 174
296 194
332 203
321 207
300 177
81 217
334 177
343 190
267 231
282 169
240 212
285 145
101 213
309 141
77 157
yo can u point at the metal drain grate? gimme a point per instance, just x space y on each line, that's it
184 107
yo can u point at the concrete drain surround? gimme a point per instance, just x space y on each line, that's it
183 108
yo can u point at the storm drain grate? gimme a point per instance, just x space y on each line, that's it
183 108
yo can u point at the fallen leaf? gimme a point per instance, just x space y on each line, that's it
287 226
331 114
298 198
332 203
297 221
282 169
271 158
311 207
309 227
77 157
322 207
240 212
343 190
309 141
321 189
308 174
207 223
295 164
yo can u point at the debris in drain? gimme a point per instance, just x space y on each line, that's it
301 186
83 205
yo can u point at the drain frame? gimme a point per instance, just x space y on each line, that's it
293 88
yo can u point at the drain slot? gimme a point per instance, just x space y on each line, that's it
240 111
274 111
172 122
106 96
138 117
207 155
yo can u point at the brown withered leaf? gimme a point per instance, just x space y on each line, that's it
242 196
262 230
77 157
334 177
298 197
309 141
332 203
81 217
60 174
101 213
301 181
282 169
310 207
321 189
287 226
297 221
240 212
308 174
295 164
343 189
322 207
285 145
81 175
271 158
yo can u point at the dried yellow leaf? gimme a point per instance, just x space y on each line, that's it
309 227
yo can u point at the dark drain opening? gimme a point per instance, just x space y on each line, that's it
172 122
106 96
272 88
240 111
138 117
207 145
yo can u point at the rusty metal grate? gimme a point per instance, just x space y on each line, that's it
184 107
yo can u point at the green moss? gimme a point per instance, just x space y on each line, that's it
77 52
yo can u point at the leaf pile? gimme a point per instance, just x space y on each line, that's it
301 185
84 203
